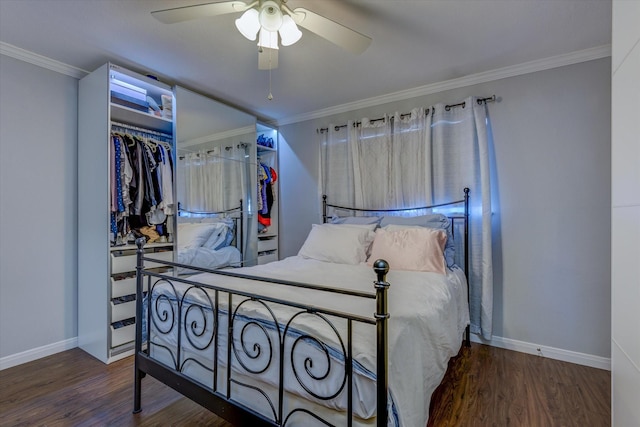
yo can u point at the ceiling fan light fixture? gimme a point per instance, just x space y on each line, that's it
289 32
249 24
270 16
268 39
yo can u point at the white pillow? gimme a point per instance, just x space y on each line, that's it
410 248
339 243
218 235
193 235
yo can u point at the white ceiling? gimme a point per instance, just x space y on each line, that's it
415 43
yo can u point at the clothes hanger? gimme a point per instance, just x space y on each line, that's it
130 141
152 144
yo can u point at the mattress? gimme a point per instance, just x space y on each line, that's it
429 313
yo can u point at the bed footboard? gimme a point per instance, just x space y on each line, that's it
200 340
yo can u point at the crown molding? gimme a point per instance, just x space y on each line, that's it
473 79
579 56
41 61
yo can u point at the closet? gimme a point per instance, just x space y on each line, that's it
130 127
126 176
268 184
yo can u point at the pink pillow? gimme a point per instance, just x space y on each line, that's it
415 249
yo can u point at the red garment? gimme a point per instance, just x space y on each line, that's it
266 219
263 220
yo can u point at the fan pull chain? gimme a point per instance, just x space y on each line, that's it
270 96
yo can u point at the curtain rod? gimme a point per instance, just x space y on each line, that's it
447 107
226 148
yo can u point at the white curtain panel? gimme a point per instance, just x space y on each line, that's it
460 158
211 180
418 159
336 165
371 146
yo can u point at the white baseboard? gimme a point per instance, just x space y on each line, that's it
506 343
544 351
37 353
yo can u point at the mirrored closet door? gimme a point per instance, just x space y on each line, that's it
216 168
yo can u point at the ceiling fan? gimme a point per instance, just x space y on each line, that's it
268 21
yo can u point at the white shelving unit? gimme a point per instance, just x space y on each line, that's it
268 241
106 274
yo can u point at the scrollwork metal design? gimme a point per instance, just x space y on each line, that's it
327 361
265 395
163 314
251 345
190 360
307 412
196 319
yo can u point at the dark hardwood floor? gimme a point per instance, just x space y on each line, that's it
484 386
489 386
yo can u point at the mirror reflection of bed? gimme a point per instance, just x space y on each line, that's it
215 164
210 240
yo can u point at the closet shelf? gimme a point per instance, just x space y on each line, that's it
267 235
128 115
146 246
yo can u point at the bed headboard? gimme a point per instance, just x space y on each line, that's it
236 214
455 218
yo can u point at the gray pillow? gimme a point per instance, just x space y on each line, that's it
362 220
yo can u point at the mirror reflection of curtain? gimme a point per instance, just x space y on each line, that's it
213 180
417 159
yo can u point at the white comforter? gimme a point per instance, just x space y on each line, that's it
208 258
428 315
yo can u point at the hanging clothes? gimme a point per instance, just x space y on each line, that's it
141 174
166 169
266 195
262 176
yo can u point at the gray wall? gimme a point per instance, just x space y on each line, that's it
552 200
38 202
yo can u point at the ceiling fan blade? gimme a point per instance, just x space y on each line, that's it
337 34
267 59
186 13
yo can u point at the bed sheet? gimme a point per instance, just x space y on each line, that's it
208 258
428 315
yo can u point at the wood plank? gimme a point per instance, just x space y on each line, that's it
489 386
484 386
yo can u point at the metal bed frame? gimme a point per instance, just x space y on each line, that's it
223 403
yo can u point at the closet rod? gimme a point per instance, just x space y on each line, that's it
143 130
447 107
